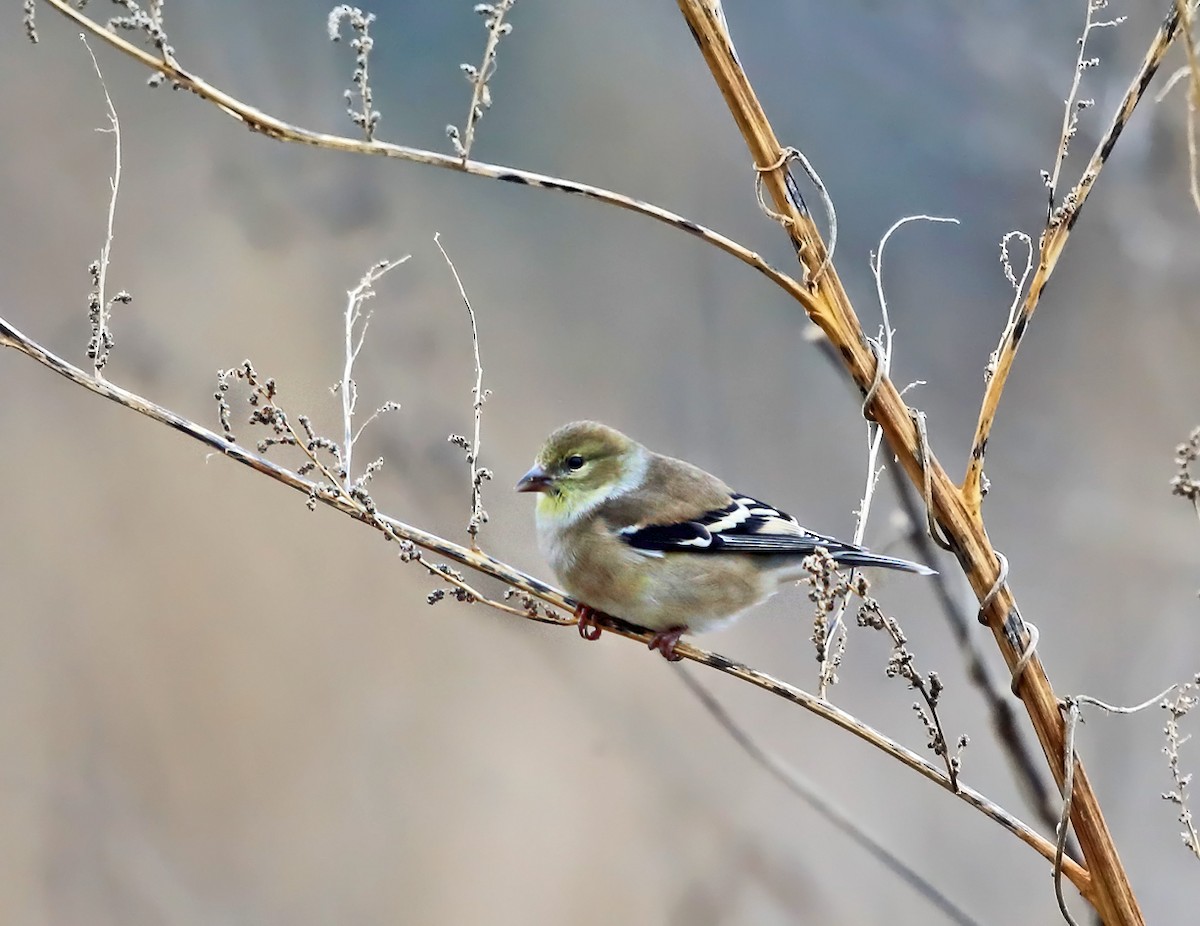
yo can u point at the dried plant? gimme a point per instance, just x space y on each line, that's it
1185 699
1184 482
100 308
479 474
478 76
365 116
953 513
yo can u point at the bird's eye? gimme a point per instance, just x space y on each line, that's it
575 462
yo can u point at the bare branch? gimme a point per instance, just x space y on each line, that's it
479 474
950 508
830 636
29 19
1053 240
929 687
352 343
961 619
1073 105
1177 708
99 307
1071 767
275 128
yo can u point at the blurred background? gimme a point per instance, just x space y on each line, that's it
218 707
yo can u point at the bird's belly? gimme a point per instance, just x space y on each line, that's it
694 590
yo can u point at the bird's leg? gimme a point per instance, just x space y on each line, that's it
664 641
586 618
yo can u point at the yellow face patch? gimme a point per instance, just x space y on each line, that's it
558 504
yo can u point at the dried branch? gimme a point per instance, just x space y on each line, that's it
366 117
272 127
353 339
99 308
266 411
481 95
1071 707
831 589
29 19
1184 483
1073 106
1029 774
828 306
901 665
479 474
958 518
1187 13
1177 708
1191 73
1054 238
883 344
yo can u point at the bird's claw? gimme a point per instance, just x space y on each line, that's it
665 642
586 622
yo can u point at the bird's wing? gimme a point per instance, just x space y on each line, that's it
745 525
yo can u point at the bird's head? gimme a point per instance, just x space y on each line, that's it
580 465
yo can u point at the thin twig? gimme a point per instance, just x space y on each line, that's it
1070 767
1070 763
99 306
1073 106
874 432
901 664
1177 708
366 117
355 298
481 94
1014 307
1029 775
479 474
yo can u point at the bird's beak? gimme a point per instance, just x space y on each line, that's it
536 480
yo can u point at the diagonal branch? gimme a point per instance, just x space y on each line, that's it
1026 769
258 121
1113 897
1054 239
489 565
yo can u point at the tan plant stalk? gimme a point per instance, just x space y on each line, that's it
952 507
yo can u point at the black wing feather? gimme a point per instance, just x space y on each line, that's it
745 525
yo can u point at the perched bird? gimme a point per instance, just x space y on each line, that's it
660 542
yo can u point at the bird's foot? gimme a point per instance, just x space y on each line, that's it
665 641
586 618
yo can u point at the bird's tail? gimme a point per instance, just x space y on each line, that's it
863 558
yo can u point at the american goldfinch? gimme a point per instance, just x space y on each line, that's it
660 542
